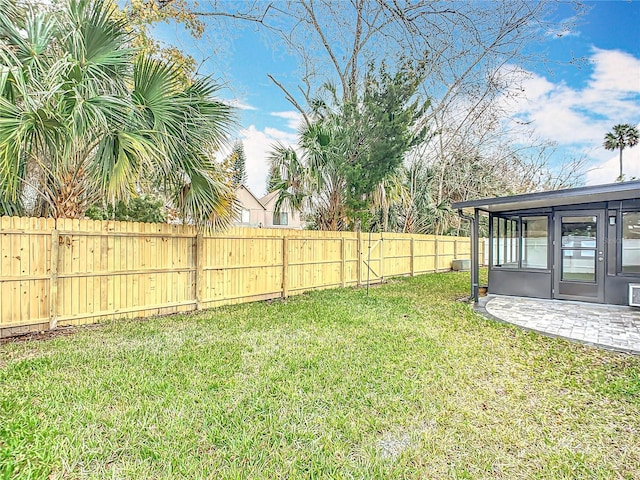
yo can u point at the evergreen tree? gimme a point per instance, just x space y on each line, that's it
238 165
274 179
348 149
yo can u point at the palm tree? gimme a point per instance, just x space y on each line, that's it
312 180
84 119
623 135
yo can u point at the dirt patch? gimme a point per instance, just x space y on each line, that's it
43 335
390 447
392 444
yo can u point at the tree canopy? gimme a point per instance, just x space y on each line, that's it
474 57
85 119
349 148
107 112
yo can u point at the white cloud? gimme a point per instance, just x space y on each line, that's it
566 28
293 118
580 117
608 170
536 87
615 71
239 104
257 145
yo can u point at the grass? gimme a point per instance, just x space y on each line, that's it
406 383
579 277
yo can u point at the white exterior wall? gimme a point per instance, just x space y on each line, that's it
294 217
257 213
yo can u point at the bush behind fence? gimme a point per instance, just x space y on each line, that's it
72 272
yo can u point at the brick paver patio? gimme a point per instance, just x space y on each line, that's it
607 326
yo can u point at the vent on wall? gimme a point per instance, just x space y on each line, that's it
634 294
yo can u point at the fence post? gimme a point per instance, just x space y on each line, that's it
455 248
359 256
437 261
199 270
343 258
381 260
412 258
53 282
285 267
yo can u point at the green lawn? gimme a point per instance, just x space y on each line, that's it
578 277
407 383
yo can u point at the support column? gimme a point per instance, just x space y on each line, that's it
475 271
475 268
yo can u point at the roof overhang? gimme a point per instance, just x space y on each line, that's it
557 198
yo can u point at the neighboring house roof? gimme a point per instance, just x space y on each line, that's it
272 198
554 198
243 187
268 198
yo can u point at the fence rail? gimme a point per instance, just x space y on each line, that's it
71 272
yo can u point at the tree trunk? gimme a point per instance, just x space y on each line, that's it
620 177
69 196
30 195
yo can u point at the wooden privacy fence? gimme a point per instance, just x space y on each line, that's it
71 272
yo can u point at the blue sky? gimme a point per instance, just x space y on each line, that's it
573 105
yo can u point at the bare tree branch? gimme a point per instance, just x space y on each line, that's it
291 99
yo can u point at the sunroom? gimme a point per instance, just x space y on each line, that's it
576 244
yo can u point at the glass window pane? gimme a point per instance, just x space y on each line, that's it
506 242
578 265
512 244
631 242
495 249
281 219
535 241
579 232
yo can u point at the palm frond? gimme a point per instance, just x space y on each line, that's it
97 41
208 200
119 160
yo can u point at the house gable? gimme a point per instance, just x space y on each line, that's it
252 211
